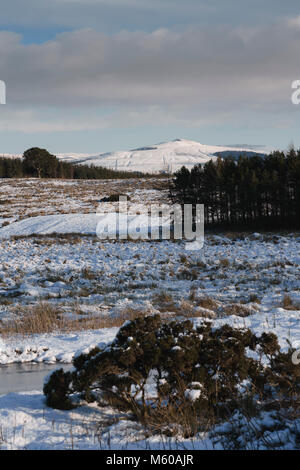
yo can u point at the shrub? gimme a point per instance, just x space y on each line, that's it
287 303
56 389
114 198
198 374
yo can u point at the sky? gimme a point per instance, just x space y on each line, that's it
92 76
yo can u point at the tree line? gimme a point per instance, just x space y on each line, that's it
257 192
39 163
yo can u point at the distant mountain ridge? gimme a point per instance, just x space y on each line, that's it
165 157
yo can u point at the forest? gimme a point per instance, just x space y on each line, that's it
257 192
39 163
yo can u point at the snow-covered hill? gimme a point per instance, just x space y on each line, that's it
164 157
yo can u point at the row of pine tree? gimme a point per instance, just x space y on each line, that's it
257 192
39 163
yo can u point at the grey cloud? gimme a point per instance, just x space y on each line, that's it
114 15
108 15
199 66
39 120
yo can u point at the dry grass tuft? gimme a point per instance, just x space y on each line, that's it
288 304
239 310
48 318
225 263
207 303
164 302
41 318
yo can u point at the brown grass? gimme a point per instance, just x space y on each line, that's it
173 418
288 304
48 318
225 263
87 273
30 197
207 302
239 310
164 302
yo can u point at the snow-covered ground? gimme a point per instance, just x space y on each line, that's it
104 225
53 347
252 281
23 198
27 423
247 280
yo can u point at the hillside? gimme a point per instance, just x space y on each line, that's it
164 157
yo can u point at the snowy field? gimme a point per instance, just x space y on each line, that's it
93 286
26 423
252 281
23 198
